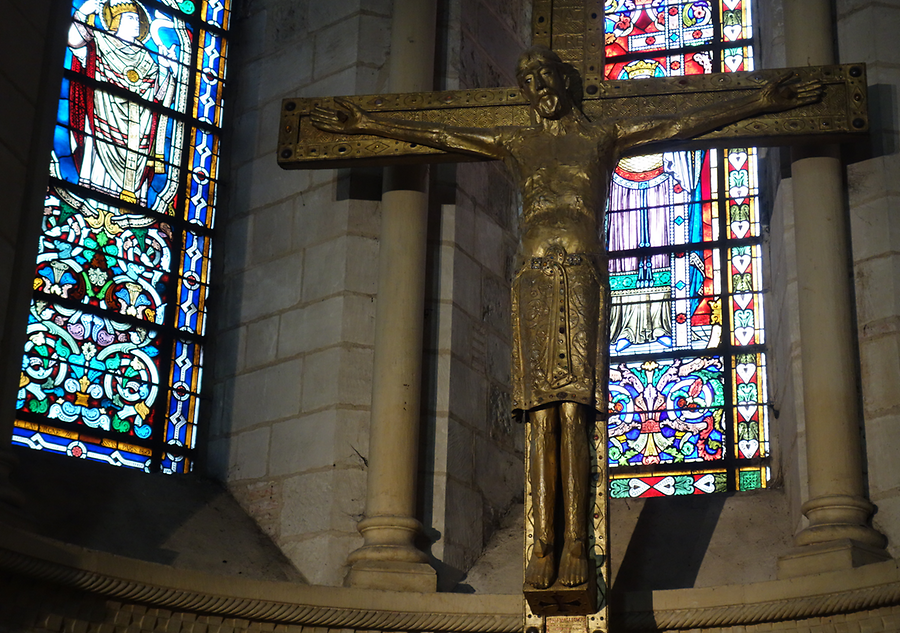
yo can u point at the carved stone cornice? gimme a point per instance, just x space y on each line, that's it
129 580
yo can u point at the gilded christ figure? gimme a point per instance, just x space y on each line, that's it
562 164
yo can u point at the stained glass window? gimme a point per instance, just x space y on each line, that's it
687 369
112 368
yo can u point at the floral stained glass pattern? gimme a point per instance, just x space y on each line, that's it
687 363
112 370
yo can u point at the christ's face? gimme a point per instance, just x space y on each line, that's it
546 89
129 27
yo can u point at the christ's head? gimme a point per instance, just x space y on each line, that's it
542 78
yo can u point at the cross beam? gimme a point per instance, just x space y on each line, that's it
840 115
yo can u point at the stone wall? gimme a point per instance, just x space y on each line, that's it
782 320
296 277
29 79
867 33
293 358
476 474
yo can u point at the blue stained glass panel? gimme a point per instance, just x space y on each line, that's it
114 260
202 182
193 283
184 402
80 446
210 79
82 369
216 12
176 464
119 275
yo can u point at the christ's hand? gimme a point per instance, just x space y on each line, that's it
783 94
347 118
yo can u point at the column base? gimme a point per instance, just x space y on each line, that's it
389 560
807 560
391 575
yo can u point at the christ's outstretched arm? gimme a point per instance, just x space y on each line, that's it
351 119
775 96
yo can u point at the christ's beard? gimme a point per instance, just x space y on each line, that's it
549 106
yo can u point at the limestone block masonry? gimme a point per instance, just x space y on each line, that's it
296 284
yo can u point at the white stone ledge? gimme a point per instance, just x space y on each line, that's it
846 591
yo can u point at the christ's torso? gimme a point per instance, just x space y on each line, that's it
563 177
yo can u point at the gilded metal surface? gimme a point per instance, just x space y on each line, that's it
841 114
556 321
598 535
562 161
574 30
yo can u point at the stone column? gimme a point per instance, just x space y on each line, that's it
389 559
838 535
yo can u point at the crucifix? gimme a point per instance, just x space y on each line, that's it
560 145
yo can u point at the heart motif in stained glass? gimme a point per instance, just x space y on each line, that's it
666 486
740 229
746 371
746 411
637 487
733 62
741 262
707 483
737 159
743 299
748 448
744 335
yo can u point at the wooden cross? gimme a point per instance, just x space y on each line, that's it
575 30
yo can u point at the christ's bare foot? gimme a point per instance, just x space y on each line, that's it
540 571
573 566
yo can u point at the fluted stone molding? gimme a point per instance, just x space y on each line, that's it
341 608
838 534
389 558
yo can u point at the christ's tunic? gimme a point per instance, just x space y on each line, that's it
559 319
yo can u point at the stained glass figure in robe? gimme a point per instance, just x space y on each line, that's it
107 141
111 372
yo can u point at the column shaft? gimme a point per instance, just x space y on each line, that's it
389 559
838 534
